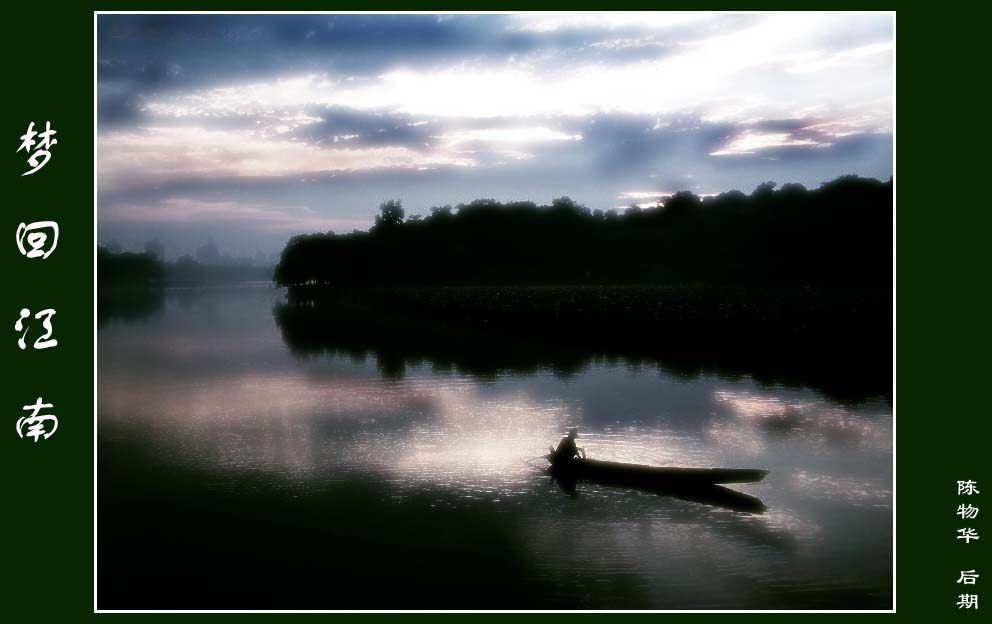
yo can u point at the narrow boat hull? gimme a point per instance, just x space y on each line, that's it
699 485
635 474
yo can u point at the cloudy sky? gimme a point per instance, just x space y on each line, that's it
249 129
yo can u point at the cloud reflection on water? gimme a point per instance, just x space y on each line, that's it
209 386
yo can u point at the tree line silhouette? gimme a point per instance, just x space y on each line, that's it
133 269
127 268
839 234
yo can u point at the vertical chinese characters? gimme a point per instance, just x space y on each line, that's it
45 341
37 425
38 239
42 147
968 511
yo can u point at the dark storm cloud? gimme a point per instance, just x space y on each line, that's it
184 48
143 54
117 107
172 51
342 125
148 74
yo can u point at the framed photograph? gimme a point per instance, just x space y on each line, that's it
476 311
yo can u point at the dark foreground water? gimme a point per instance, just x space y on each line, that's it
234 474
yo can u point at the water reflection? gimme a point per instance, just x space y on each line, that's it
712 495
128 303
260 479
486 332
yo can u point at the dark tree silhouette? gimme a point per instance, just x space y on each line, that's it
127 268
390 215
839 234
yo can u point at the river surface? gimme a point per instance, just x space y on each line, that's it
236 474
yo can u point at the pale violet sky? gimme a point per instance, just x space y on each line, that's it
252 128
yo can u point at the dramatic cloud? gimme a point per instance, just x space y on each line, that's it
206 119
159 153
178 210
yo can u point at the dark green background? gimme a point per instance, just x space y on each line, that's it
942 404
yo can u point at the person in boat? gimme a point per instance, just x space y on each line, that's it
567 449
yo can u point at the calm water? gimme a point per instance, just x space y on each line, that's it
235 474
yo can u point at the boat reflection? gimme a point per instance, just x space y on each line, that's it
706 494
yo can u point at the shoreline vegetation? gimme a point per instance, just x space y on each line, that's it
131 285
145 270
836 340
789 286
839 234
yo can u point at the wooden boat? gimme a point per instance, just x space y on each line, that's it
700 485
638 475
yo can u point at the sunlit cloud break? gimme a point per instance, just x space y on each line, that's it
158 153
749 143
277 218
